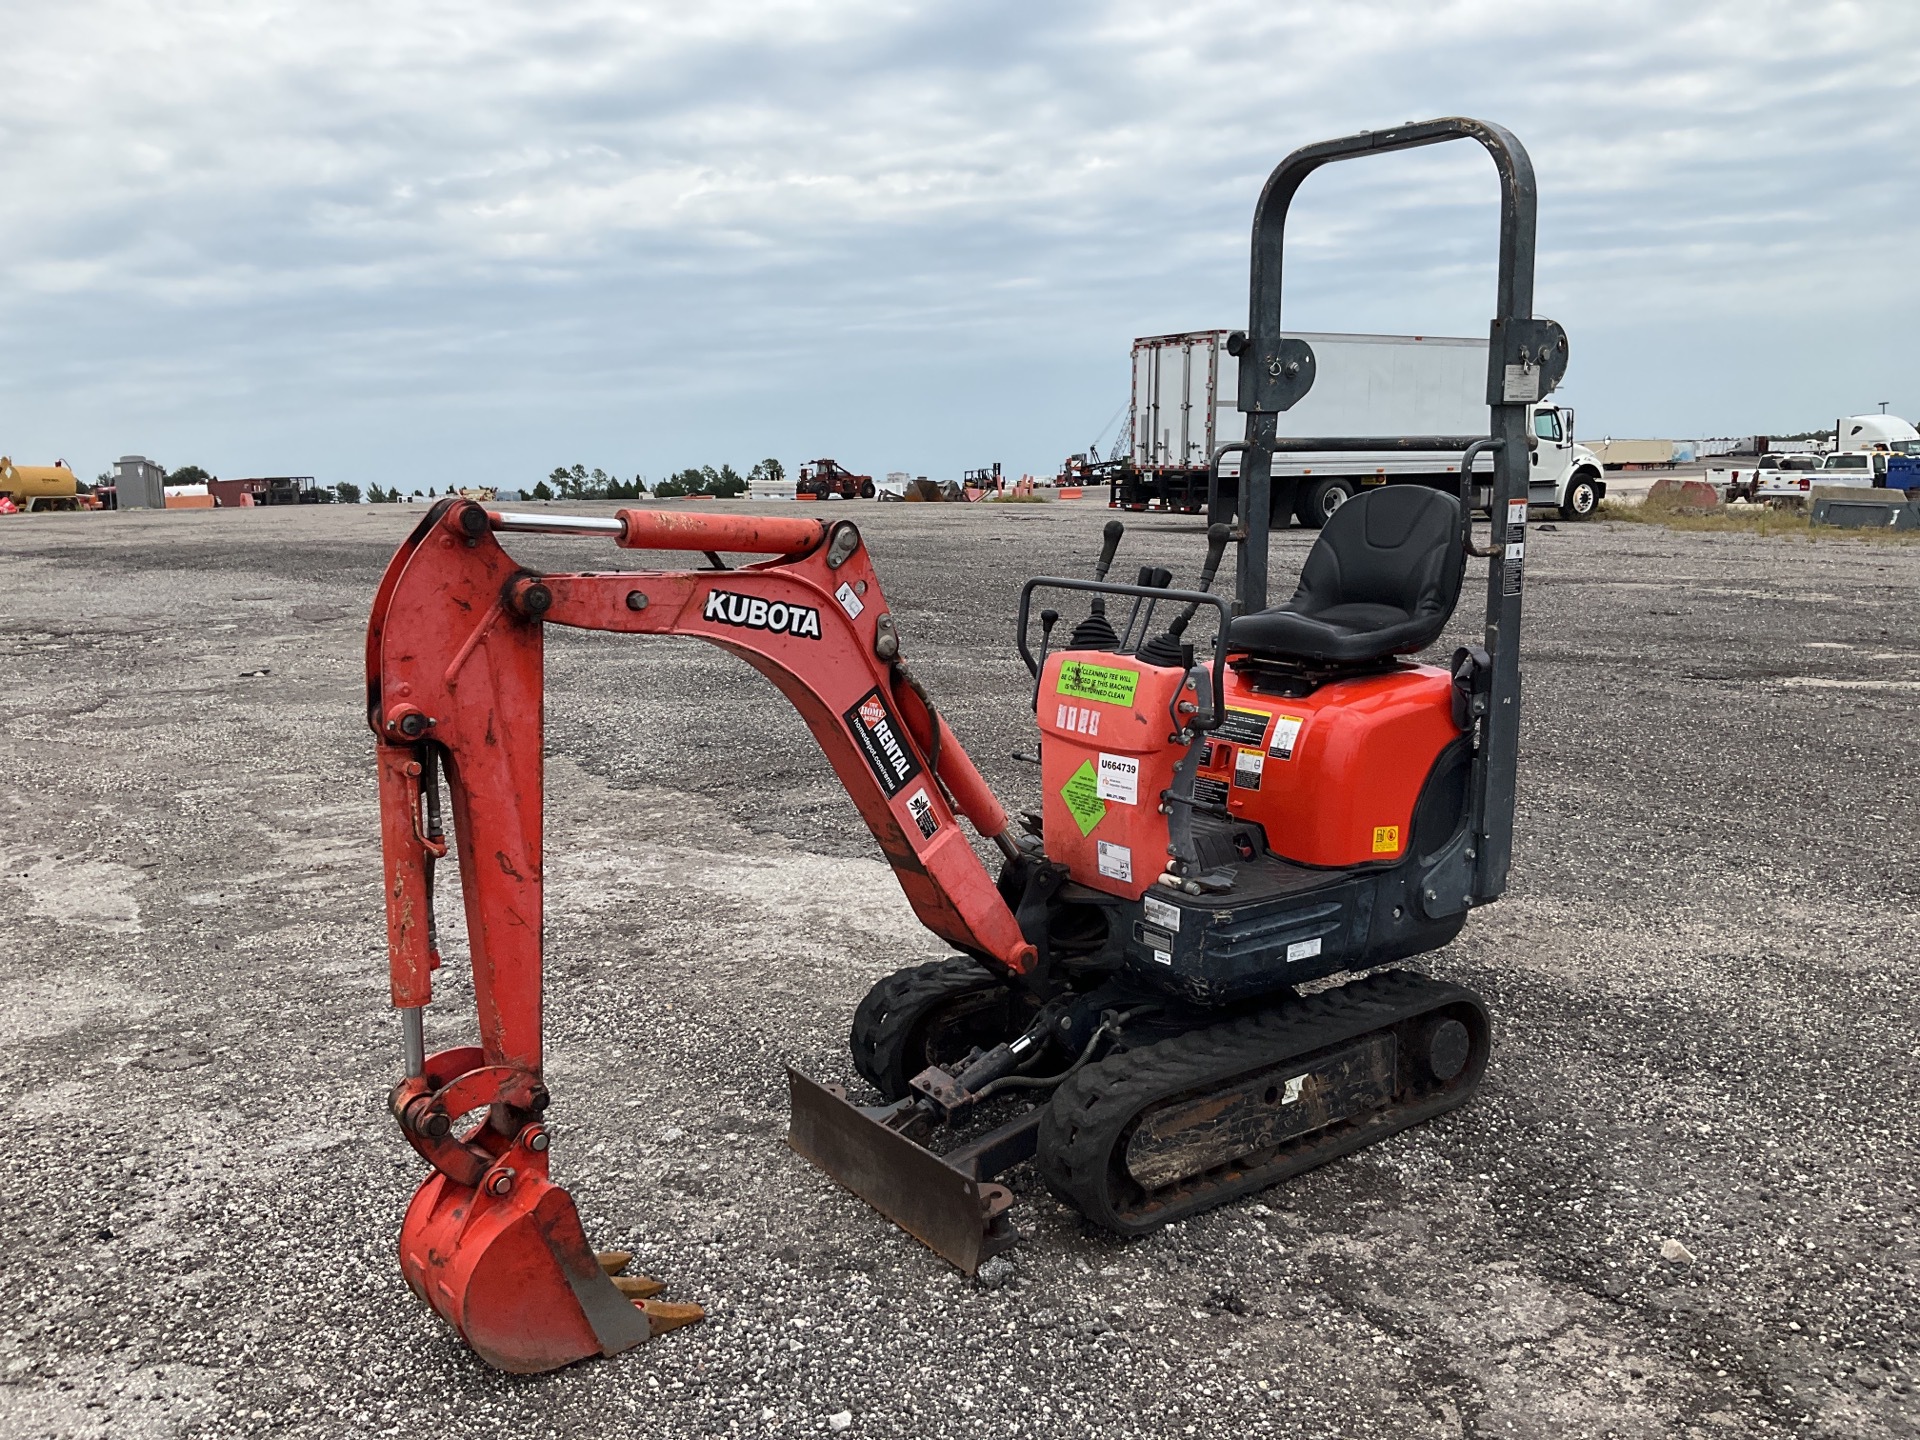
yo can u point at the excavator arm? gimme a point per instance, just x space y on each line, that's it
455 681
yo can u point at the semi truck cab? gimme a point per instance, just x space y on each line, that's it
1562 473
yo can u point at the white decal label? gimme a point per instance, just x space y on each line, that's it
1160 913
849 601
1517 550
1247 765
1078 719
1516 512
1161 957
1303 950
1119 779
1286 733
1522 385
921 808
1116 861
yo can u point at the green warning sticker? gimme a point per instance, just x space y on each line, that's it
1097 682
1082 794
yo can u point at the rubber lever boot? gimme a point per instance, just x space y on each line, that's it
1167 648
1096 631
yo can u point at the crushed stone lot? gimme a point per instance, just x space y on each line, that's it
1701 981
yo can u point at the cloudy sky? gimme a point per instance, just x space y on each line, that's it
469 241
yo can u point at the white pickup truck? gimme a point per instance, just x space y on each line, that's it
1790 479
1861 468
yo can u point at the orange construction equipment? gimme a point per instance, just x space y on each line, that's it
1137 1001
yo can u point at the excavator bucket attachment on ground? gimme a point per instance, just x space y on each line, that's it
515 1276
953 1214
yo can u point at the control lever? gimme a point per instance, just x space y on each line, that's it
1166 648
1152 577
1048 619
1096 631
1169 647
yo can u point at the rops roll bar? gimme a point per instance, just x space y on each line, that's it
1525 359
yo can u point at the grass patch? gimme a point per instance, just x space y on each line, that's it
1758 520
1740 520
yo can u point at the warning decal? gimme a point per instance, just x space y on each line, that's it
1249 727
1386 839
1247 765
1286 734
877 732
1082 794
1210 792
921 808
1097 682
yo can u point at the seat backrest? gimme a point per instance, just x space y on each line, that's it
1399 545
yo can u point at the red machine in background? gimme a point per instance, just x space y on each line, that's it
821 478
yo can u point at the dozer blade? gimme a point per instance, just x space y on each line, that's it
952 1214
515 1276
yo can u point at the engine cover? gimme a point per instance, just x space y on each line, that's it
1333 776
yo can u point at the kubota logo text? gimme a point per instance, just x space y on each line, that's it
753 613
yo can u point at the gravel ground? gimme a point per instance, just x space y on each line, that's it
1697 984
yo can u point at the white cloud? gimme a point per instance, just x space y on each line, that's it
486 238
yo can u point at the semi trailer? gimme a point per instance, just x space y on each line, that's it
1397 388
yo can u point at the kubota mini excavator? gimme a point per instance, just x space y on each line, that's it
1221 824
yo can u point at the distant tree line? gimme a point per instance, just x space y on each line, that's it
580 483
572 482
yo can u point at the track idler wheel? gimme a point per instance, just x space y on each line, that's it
931 1014
507 1264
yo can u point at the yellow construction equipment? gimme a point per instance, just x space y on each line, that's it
39 487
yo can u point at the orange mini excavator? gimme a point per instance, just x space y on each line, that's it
1278 799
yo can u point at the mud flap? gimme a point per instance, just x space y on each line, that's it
959 1218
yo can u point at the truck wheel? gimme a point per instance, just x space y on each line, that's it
1319 500
866 489
1582 499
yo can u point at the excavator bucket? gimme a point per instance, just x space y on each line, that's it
952 1213
514 1275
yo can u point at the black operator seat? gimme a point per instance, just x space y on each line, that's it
1382 579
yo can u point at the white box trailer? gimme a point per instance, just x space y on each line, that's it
1619 454
1185 393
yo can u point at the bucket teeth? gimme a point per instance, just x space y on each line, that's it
614 1262
665 1315
638 1287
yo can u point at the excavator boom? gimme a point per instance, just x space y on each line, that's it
455 680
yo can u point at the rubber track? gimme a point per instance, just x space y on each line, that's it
1089 1117
883 1023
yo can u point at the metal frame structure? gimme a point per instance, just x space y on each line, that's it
1525 361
